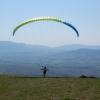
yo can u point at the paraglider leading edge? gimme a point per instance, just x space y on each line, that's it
44 18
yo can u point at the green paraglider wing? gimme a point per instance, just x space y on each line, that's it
44 18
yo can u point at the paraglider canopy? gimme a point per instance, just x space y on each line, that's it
45 18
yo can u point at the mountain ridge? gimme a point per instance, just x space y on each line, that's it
13 46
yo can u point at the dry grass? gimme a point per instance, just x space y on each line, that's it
37 88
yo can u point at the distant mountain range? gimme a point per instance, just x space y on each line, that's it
7 46
74 59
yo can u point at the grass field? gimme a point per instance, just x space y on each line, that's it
38 88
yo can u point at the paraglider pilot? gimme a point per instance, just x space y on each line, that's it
44 70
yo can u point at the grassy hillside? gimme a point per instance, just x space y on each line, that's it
38 88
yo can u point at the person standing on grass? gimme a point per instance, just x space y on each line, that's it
44 70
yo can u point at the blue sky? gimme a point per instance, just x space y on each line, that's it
83 14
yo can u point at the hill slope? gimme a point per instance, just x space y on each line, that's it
35 88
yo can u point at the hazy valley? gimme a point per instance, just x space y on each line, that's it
64 61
